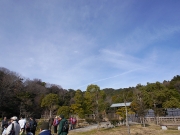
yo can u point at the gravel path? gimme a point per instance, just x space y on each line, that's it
90 127
94 126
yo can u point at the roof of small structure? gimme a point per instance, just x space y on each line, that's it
120 104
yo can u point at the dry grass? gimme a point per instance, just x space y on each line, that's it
134 130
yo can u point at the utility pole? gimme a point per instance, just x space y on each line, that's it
127 122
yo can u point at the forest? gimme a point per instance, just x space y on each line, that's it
22 96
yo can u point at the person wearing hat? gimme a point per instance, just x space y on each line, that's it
14 125
55 124
44 129
61 124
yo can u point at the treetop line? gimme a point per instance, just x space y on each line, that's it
33 97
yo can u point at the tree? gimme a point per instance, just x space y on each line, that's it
94 101
78 107
122 112
138 105
93 95
50 101
26 103
10 86
154 96
37 90
65 110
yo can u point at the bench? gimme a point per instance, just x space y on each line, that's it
164 125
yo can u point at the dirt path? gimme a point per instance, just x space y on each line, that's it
90 127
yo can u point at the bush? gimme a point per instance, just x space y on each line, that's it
114 122
91 121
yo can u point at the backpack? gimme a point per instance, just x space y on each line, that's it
27 125
65 126
55 122
12 130
74 120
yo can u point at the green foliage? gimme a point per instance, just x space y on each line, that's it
94 102
114 122
122 94
138 104
35 97
50 100
78 107
94 99
65 110
172 103
122 112
154 96
88 103
175 83
26 102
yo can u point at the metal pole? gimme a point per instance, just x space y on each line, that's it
127 122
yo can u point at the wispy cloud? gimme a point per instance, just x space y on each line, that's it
73 44
108 78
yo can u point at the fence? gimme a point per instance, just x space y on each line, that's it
162 119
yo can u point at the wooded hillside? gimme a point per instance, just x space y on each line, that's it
34 97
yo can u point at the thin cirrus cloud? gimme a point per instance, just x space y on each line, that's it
73 44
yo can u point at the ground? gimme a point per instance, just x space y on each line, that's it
135 129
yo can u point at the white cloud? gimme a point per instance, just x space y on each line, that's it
78 43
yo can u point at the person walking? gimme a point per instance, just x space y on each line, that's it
61 125
5 128
14 125
55 124
4 123
73 122
22 123
33 125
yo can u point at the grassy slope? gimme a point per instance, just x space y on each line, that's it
134 130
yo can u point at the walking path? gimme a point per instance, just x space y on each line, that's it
95 126
90 127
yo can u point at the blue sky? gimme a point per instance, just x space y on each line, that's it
74 43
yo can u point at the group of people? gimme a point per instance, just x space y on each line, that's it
72 121
55 123
25 126
58 123
19 127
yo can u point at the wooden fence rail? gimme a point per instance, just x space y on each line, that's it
163 119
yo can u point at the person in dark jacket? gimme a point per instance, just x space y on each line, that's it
61 124
44 129
33 125
28 132
4 123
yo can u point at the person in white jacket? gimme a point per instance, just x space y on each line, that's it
15 126
5 128
22 123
